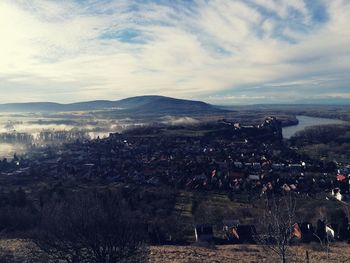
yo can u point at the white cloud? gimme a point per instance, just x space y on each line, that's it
53 50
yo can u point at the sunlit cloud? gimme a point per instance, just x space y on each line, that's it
251 51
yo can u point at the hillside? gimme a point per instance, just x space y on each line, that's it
18 250
166 105
137 105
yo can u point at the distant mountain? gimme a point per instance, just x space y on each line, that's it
164 105
30 107
136 105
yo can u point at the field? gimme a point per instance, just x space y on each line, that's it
21 250
245 254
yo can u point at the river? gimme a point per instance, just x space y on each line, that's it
306 121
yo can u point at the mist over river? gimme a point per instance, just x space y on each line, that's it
18 133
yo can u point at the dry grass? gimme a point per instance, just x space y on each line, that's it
339 252
246 254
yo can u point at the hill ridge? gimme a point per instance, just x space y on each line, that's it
137 104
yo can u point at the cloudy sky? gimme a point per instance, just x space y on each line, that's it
220 51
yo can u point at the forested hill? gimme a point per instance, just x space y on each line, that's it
140 104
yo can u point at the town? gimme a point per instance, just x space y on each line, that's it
222 156
247 164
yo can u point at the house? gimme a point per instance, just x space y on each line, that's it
229 228
204 233
227 224
237 233
307 231
254 177
330 233
340 177
336 193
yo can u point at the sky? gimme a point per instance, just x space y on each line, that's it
219 51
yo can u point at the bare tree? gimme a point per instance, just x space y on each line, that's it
277 221
91 228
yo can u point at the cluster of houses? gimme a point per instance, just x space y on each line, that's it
224 161
231 159
235 232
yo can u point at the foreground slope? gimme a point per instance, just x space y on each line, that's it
21 250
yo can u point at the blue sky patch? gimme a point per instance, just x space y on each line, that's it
126 36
